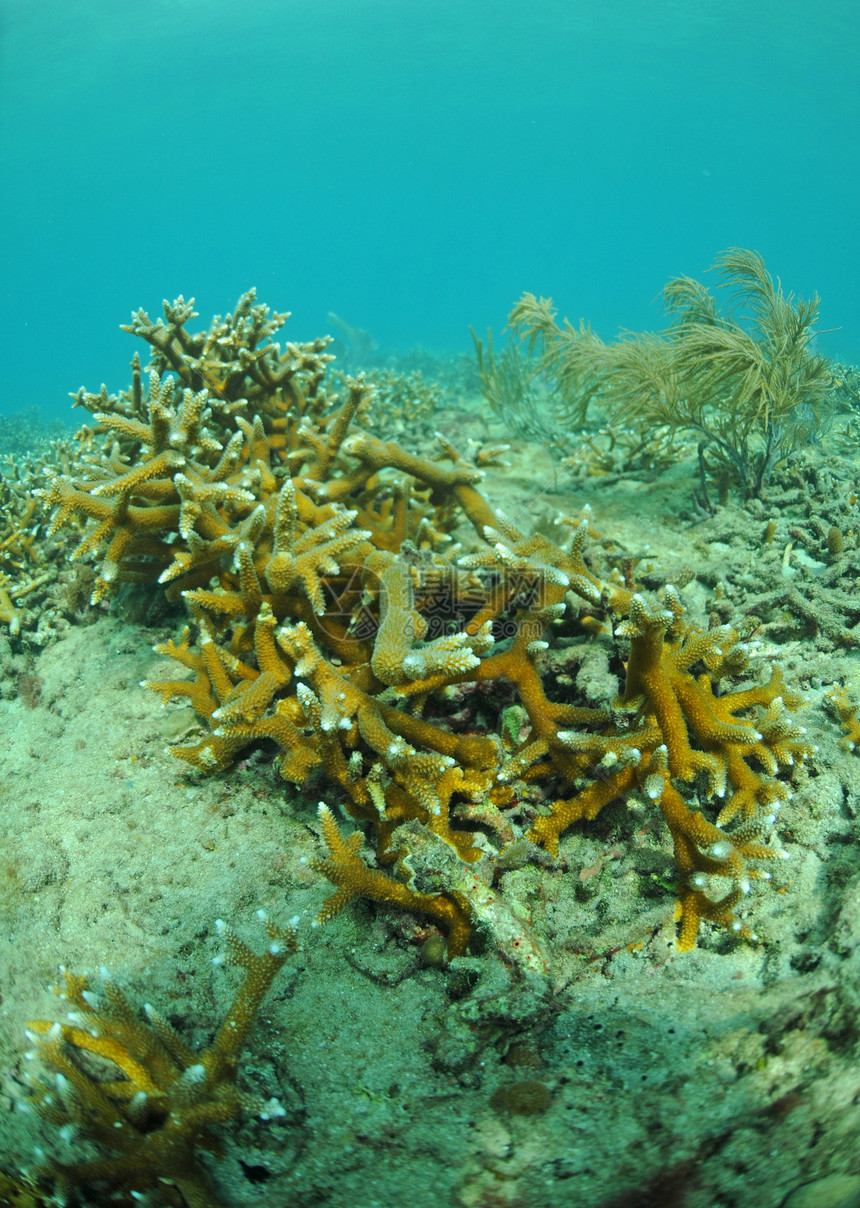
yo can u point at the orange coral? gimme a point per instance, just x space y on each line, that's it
684 729
337 616
138 1091
847 713
345 869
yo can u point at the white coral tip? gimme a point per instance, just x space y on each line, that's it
272 1110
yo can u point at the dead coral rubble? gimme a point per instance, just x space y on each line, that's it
335 612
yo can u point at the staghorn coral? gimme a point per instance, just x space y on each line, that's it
846 711
337 614
19 1192
345 869
673 708
33 578
135 1088
401 402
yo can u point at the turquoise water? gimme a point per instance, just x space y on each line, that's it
412 165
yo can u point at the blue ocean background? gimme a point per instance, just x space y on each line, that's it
413 165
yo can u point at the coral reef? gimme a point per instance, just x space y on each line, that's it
727 1073
399 402
25 430
36 585
367 610
138 1091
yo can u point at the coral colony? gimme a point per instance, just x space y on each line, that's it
165 1099
369 612
333 613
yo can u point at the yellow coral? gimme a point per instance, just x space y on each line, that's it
686 729
336 616
847 712
345 869
138 1091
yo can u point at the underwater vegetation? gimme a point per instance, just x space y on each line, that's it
742 380
367 611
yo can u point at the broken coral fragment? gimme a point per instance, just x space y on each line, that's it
133 1089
